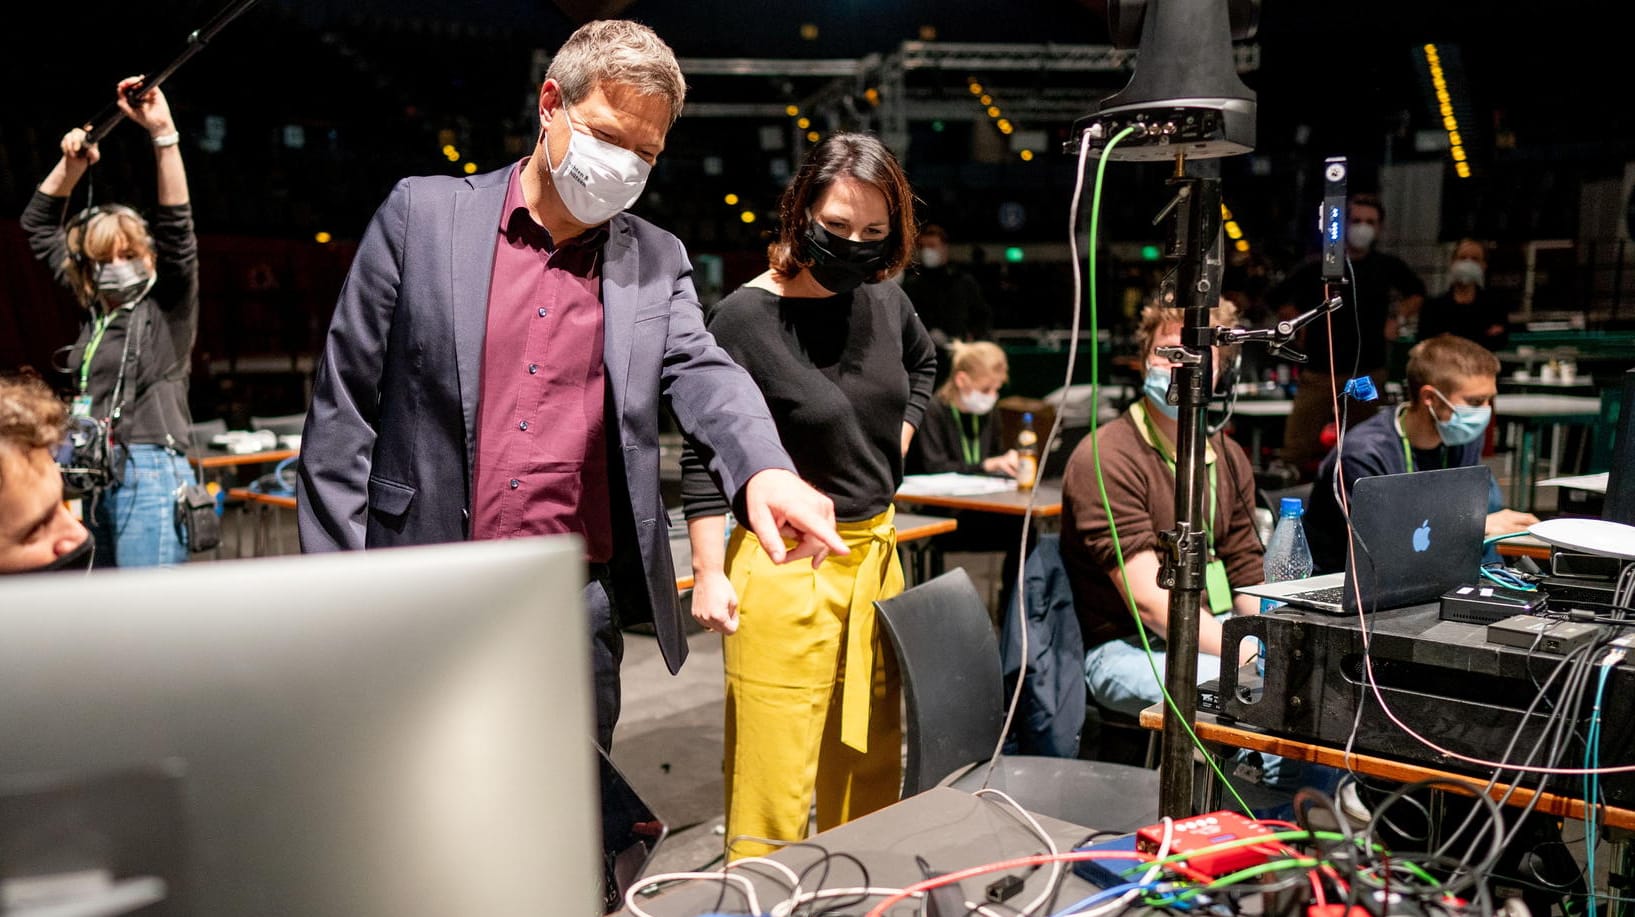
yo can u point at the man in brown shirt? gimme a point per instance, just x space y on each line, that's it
1137 458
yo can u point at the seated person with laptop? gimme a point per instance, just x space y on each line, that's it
1451 385
1137 458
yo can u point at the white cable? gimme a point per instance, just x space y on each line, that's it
1056 866
748 888
794 880
1044 453
785 908
1379 697
1123 900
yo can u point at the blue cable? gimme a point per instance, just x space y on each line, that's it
1592 782
1098 897
1506 578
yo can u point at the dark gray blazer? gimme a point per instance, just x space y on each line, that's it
387 452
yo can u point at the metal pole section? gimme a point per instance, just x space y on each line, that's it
1197 215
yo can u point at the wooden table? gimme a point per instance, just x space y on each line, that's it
234 460
1047 503
1234 735
912 534
1524 546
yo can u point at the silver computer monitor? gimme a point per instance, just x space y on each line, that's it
394 732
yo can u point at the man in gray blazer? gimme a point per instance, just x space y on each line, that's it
503 346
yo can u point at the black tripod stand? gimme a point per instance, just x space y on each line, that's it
1183 554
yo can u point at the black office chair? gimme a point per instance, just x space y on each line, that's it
284 425
954 695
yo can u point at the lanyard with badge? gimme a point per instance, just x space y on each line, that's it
970 446
1216 584
81 406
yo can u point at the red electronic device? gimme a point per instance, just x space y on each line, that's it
1202 831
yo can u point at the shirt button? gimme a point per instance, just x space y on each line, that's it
542 311
515 483
523 426
533 368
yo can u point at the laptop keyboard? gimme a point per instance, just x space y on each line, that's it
1333 595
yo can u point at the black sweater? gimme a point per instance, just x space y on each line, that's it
841 374
939 447
160 356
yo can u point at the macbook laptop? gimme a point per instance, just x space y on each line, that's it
1417 536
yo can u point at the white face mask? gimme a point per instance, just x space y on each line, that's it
933 258
1360 235
596 179
1467 271
977 402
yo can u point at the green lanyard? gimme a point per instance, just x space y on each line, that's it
1407 451
101 327
971 446
1169 462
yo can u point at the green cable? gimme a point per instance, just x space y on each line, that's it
1279 836
1250 872
1292 835
1101 484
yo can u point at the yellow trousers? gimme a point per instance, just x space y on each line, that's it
813 690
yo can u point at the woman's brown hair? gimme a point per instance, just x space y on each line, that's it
863 158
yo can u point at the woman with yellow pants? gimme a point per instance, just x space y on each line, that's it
847 370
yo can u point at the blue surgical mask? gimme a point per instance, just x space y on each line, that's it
1155 387
1466 425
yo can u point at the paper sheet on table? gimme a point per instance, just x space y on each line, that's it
953 484
1594 483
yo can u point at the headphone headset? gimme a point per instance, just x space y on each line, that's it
82 220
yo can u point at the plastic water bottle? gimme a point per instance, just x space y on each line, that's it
1288 556
1027 454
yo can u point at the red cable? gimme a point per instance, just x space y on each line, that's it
1072 856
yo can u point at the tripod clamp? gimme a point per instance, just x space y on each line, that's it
1277 337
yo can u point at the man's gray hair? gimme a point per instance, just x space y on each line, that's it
618 51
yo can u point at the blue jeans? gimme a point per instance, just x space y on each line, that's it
135 523
1119 677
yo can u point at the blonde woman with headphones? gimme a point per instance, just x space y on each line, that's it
139 285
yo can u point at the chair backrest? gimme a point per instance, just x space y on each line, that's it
952 687
285 425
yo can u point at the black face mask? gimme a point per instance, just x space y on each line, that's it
841 265
77 560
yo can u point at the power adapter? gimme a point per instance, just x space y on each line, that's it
1482 603
1547 635
1200 832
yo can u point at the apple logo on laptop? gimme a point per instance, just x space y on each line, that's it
1422 536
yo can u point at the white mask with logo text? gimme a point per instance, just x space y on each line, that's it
596 179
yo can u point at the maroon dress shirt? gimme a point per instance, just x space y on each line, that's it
541 462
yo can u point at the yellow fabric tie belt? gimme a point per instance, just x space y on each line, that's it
873 544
